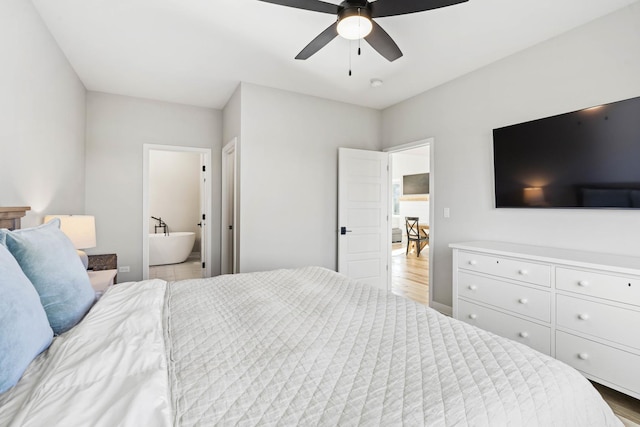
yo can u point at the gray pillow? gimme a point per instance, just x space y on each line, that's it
24 328
49 260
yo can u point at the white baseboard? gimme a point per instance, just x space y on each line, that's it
444 309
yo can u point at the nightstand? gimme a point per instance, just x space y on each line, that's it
104 262
101 280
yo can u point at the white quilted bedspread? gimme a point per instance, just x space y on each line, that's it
308 347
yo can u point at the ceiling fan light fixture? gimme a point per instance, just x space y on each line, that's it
354 26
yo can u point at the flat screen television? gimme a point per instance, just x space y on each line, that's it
584 159
415 184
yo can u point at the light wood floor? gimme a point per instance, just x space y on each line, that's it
410 278
410 274
623 406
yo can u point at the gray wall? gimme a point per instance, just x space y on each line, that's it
42 116
117 128
289 167
174 191
231 117
591 65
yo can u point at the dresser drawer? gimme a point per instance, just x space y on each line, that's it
598 319
600 361
616 288
529 272
523 300
523 331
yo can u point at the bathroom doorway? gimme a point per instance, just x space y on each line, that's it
176 211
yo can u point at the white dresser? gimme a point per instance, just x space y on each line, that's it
580 307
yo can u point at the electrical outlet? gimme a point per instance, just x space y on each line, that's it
124 269
447 212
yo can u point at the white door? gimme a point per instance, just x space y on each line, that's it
228 263
363 221
204 232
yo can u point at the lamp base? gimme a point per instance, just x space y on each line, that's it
84 258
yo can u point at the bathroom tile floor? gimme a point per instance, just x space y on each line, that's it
190 269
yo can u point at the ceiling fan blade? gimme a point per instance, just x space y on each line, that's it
381 41
381 8
315 5
319 42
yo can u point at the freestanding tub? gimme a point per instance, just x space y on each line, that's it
172 249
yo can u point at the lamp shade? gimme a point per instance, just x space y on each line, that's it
80 229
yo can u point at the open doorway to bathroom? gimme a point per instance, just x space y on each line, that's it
410 198
177 194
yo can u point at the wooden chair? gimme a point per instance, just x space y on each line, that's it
414 235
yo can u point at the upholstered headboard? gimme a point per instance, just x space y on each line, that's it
10 217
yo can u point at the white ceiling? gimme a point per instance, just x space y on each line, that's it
197 51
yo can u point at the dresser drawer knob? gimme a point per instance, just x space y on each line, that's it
472 287
583 356
523 334
473 262
583 316
583 283
523 272
523 300
473 316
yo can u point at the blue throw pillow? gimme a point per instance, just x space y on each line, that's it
24 328
50 261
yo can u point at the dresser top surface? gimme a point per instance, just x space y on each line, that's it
586 259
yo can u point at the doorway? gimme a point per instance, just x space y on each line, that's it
229 223
176 211
411 195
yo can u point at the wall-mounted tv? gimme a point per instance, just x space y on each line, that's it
584 159
415 184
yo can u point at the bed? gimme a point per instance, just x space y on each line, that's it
304 346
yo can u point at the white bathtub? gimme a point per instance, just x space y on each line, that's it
172 249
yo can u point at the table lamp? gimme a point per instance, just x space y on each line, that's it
81 230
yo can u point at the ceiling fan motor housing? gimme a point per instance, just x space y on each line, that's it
354 8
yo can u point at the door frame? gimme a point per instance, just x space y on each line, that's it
232 148
205 154
430 142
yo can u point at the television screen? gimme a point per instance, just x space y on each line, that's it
415 184
584 159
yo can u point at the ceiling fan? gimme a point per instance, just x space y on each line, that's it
355 21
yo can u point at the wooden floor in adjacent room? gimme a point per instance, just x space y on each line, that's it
410 273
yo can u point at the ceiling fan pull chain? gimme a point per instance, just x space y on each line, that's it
360 31
349 58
